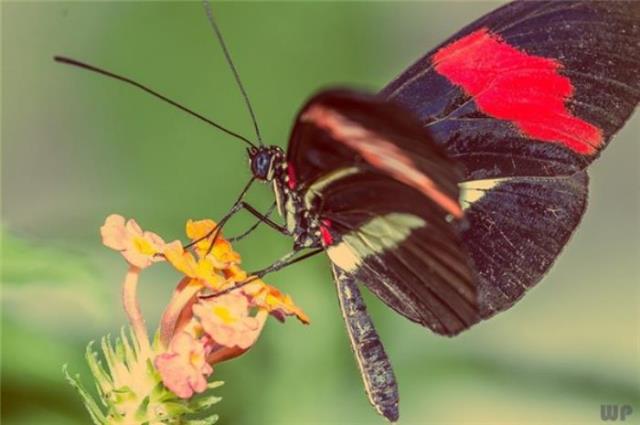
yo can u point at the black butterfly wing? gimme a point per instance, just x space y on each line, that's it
524 99
403 249
340 129
516 229
533 88
386 197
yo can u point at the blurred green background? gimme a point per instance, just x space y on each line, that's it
77 147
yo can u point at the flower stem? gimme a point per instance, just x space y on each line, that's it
131 307
186 290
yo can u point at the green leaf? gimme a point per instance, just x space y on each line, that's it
215 384
96 414
206 421
141 412
102 378
204 402
176 408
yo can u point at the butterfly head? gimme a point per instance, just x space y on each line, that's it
264 160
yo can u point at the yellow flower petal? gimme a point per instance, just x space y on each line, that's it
224 314
199 229
235 273
182 260
274 301
143 246
223 251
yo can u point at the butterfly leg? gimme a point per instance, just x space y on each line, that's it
239 205
375 368
286 261
283 262
253 227
234 209
263 218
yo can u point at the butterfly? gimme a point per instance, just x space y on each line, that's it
452 191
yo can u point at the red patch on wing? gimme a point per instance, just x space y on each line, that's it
327 239
292 182
511 85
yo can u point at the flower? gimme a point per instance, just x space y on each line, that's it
184 368
274 301
221 250
139 248
208 320
235 273
131 390
206 270
227 321
215 266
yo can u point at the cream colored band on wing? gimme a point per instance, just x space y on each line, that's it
316 187
473 191
374 237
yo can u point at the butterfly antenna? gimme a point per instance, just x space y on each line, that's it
216 30
88 67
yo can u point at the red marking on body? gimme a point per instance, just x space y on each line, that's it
511 85
292 182
381 153
327 239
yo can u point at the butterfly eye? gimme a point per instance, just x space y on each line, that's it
260 164
263 163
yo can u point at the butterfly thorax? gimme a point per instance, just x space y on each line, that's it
302 223
268 164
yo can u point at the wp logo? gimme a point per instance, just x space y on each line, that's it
614 412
